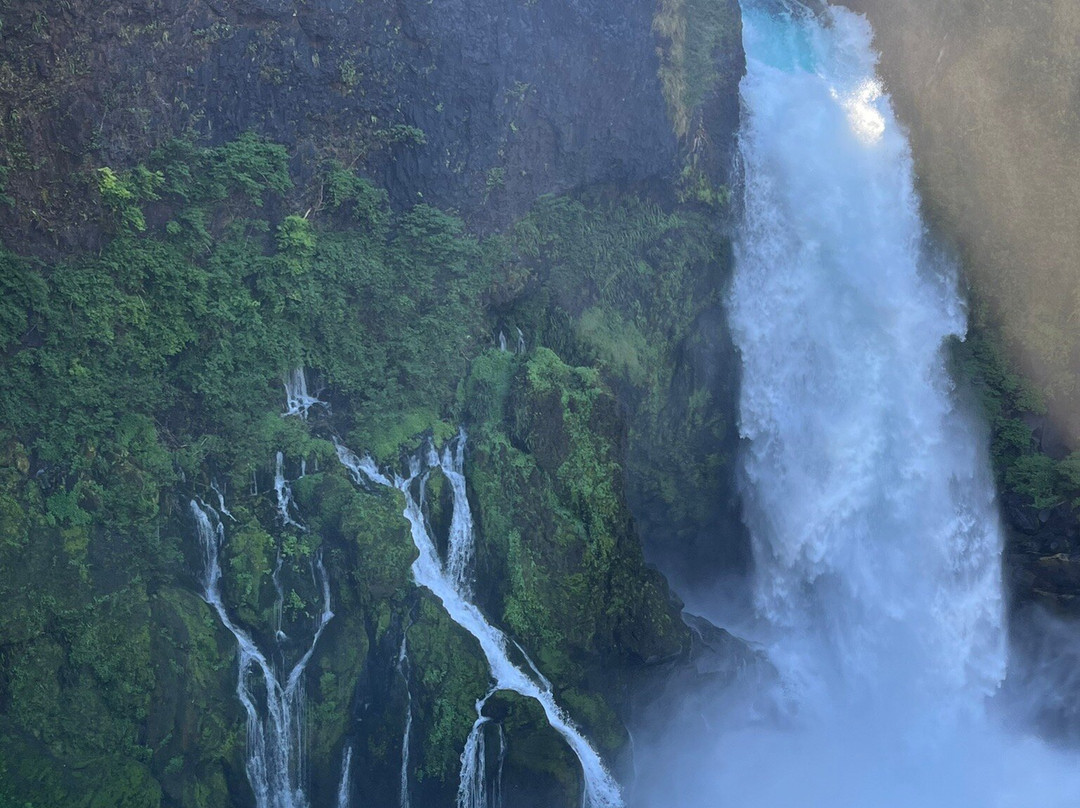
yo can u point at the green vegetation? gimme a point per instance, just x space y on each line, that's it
137 374
694 33
1012 407
450 677
133 372
621 286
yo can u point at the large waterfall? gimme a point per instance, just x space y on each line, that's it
877 590
876 541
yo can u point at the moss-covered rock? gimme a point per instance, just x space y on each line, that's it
560 563
196 726
538 768
448 677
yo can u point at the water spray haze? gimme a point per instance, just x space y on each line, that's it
877 545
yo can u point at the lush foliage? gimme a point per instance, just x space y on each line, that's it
134 373
137 375
1015 410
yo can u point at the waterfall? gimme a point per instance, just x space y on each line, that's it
403 669
297 399
284 493
878 584
601 791
876 536
275 747
343 800
459 553
472 785
221 500
496 786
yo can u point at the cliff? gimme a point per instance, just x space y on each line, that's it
200 197
476 106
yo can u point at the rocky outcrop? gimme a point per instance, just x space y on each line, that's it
478 105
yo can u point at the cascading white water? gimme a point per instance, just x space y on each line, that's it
297 399
403 669
275 764
459 548
283 489
473 783
601 790
343 800
876 539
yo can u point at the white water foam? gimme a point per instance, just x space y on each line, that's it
600 789
275 735
877 546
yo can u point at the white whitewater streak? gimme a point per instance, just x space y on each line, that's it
460 546
601 790
496 786
297 399
472 785
284 493
275 764
403 669
221 500
279 600
343 800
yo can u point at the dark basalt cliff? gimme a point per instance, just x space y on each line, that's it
475 106
196 197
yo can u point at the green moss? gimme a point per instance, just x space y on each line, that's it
694 33
537 757
449 677
547 480
249 563
374 548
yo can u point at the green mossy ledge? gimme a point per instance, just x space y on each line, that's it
138 375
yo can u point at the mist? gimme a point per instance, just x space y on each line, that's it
990 92
876 652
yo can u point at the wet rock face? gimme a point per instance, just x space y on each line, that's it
1042 556
477 105
525 98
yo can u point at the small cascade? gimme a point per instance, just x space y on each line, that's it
503 345
521 342
403 669
343 800
284 494
275 743
221 500
496 784
472 786
460 547
297 399
279 600
601 790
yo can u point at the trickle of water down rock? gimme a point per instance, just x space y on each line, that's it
450 583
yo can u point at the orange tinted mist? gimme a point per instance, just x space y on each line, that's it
991 92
